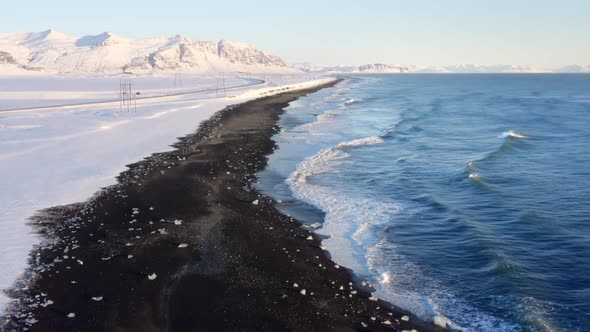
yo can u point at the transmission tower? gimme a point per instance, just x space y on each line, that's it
178 78
127 99
220 90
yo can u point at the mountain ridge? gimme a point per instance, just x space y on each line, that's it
55 52
380 68
51 51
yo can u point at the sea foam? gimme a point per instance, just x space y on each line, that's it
513 133
348 217
321 161
379 218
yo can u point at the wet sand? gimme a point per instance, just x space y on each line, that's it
183 243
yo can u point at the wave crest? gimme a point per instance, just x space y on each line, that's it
513 133
320 162
352 101
349 217
475 177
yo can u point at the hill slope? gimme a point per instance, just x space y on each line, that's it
53 51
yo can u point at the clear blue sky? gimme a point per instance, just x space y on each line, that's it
443 32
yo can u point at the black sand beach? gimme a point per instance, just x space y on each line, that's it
183 243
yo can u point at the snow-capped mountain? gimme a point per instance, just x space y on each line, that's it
456 69
369 68
482 69
380 68
7 58
571 69
477 69
53 51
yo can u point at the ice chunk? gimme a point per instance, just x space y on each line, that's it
442 321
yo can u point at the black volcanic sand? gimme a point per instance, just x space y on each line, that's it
188 219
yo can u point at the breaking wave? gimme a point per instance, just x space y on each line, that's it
321 161
510 141
352 101
349 218
340 105
428 207
513 133
475 177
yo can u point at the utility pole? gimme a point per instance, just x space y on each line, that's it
220 91
178 78
127 99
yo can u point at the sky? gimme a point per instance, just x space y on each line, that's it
540 33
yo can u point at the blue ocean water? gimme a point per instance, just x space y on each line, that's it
463 198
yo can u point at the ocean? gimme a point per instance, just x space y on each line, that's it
462 198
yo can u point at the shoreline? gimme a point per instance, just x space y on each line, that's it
182 243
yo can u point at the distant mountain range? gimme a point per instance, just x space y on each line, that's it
51 51
465 69
55 52
376 68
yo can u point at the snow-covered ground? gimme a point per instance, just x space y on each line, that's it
65 154
26 91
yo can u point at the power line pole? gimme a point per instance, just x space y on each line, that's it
122 92
220 91
178 78
127 99
134 96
